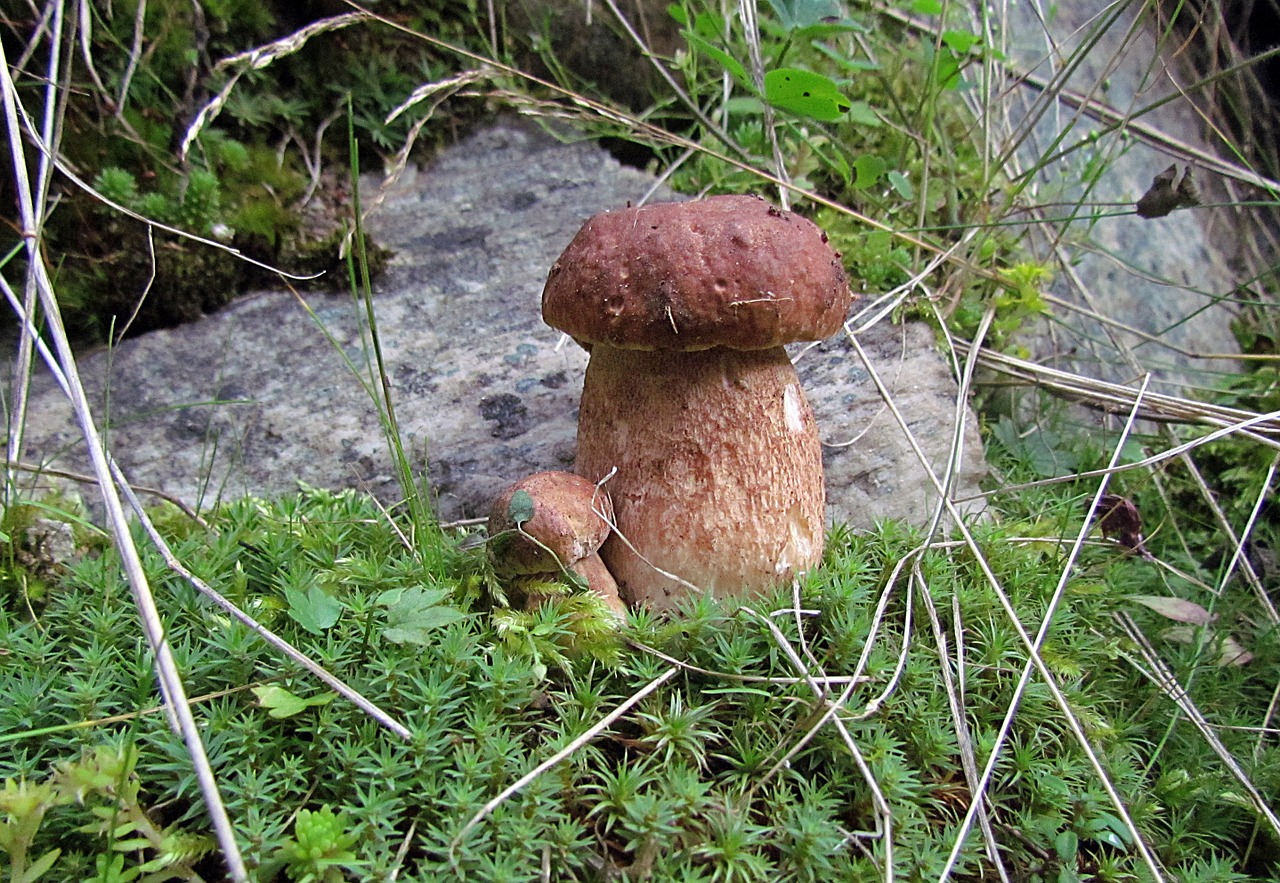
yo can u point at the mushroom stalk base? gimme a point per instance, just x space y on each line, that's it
719 470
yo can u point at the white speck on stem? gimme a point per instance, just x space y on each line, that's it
792 408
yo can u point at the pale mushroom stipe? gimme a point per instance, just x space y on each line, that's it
550 522
692 413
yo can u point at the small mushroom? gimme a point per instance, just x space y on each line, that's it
549 522
690 406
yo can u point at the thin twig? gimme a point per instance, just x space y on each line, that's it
599 727
1160 674
1034 657
166 668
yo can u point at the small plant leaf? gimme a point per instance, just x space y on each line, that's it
863 114
900 184
520 509
280 703
1177 609
315 610
868 168
724 59
960 42
805 93
413 614
1067 844
37 869
803 13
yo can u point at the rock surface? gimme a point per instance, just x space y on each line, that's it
257 397
1144 294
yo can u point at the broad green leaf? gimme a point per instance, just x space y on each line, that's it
1107 828
868 168
315 610
416 613
709 26
854 65
724 59
960 42
805 93
520 509
803 13
900 184
927 7
676 11
745 104
863 114
280 703
1039 449
1066 844
947 69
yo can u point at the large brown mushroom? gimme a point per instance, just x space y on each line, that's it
552 522
691 409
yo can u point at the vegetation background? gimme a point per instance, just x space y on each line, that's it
1080 686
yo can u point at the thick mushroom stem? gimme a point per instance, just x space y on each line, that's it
719 469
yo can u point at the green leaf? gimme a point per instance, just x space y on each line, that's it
947 69
316 610
38 868
709 25
413 614
863 114
803 13
1066 844
280 703
725 60
676 11
744 105
805 93
520 509
960 42
900 184
927 7
854 65
868 168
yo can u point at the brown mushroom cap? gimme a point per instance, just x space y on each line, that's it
566 520
728 271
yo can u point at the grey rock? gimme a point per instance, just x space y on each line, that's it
257 397
1145 294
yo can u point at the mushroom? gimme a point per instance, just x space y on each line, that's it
691 408
550 522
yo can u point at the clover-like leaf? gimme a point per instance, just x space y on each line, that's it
803 13
413 614
869 169
315 610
